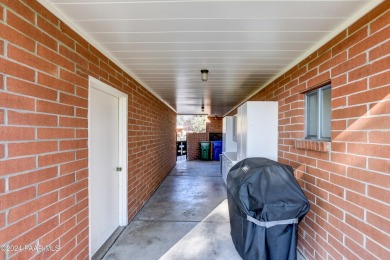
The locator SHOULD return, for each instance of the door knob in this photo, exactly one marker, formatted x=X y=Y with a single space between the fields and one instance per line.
x=118 y=169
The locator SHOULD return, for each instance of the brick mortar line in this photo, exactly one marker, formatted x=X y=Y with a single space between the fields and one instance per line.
x=341 y=242
x=38 y=224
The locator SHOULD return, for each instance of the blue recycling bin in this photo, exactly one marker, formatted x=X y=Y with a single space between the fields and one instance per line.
x=217 y=150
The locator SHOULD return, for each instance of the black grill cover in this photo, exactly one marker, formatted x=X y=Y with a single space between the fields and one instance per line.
x=266 y=191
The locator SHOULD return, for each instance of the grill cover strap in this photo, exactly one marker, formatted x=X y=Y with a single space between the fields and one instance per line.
x=268 y=224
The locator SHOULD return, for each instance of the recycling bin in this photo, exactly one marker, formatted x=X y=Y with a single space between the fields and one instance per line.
x=217 y=149
x=266 y=204
x=204 y=150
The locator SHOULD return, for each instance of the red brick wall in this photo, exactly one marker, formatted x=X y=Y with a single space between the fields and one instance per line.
x=213 y=125
x=348 y=183
x=193 y=140
x=44 y=69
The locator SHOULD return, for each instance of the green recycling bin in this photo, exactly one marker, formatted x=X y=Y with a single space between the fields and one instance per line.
x=204 y=150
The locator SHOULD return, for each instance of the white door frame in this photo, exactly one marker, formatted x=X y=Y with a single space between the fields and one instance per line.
x=123 y=151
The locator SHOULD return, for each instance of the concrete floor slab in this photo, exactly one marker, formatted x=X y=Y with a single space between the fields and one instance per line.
x=177 y=217
x=208 y=240
x=186 y=218
x=148 y=239
x=197 y=168
x=184 y=198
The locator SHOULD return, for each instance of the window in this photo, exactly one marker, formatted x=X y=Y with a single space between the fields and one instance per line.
x=318 y=110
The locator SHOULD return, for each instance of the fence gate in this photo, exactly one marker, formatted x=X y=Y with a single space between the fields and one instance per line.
x=181 y=148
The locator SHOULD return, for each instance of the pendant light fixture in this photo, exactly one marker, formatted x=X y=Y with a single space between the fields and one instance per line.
x=204 y=75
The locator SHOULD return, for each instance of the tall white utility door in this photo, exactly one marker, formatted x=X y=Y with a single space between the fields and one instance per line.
x=104 y=175
x=104 y=178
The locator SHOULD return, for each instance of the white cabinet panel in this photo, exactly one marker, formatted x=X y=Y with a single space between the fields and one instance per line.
x=228 y=143
x=257 y=134
x=235 y=128
x=257 y=130
x=228 y=160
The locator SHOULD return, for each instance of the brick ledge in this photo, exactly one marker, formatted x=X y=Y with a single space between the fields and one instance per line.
x=314 y=145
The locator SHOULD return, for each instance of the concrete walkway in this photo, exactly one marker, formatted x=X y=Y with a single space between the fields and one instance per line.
x=186 y=218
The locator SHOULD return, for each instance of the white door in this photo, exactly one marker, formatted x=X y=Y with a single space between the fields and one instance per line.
x=104 y=160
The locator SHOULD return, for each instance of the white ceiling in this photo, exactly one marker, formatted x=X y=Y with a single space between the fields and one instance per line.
x=244 y=44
